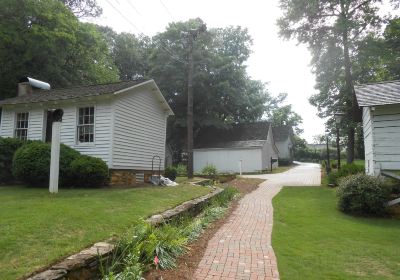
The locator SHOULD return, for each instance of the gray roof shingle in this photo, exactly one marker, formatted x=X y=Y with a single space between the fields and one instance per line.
x=383 y=93
x=70 y=93
x=246 y=135
x=281 y=133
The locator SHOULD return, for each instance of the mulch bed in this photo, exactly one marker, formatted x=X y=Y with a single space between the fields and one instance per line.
x=188 y=262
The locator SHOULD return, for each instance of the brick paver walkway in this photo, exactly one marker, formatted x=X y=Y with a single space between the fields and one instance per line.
x=241 y=249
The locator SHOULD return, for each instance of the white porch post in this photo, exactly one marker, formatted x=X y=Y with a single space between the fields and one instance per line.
x=55 y=157
x=240 y=167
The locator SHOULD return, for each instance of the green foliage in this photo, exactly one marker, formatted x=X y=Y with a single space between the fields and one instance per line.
x=8 y=146
x=209 y=170
x=166 y=241
x=55 y=47
x=362 y=195
x=171 y=172
x=181 y=169
x=31 y=163
x=89 y=171
x=345 y=170
x=284 y=162
x=83 y=8
x=224 y=197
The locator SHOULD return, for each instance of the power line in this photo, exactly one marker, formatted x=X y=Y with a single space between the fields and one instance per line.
x=168 y=11
x=133 y=7
x=122 y=15
x=139 y=30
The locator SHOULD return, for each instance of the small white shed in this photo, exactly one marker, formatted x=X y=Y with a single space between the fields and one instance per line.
x=122 y=123
x=283 y=136
x=380 y=103
x=250 y=145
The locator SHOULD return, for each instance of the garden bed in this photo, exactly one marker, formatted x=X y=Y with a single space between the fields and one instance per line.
x=38 y=228
x=187 y=263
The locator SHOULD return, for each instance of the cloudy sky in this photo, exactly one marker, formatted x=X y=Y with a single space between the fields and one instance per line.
x=282 y=64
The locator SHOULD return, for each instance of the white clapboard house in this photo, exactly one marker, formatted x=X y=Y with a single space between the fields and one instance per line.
x=122 y=123
x=249 y=145
x=283 y=136
x=380 y=103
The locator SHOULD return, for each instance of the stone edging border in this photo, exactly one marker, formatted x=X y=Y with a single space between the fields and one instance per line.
x=85 y=264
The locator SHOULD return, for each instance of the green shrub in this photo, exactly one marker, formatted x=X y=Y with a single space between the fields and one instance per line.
x=87 y=171
x=345 y=170
x=31 y=164
x=362 y=195
x=181 y=169
x=209 y=170
x=8 y=146
x=170 y=172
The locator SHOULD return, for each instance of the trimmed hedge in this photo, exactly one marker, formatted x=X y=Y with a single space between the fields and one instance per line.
x=8 y=146
x=363 y=195
x=31 y=164
x=89 y=172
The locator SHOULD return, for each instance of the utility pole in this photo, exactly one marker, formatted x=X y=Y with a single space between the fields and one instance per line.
x=193 y=33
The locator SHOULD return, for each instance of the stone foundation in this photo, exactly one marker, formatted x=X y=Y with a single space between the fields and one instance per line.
x=122 y=177
x=127 y=177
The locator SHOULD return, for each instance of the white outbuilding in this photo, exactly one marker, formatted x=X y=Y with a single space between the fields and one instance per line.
x=380 y=103
x=249 y=147
x=123 y=123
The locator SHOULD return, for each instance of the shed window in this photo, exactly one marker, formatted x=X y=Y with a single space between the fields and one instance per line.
x=85 y=126
x=21 y=126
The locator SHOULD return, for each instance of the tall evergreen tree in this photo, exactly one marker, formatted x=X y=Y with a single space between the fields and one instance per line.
x=332 y=29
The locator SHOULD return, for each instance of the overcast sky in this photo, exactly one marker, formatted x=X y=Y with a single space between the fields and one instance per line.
x=282 y=64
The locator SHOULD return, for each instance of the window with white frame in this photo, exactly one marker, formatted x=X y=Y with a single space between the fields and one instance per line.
x=21 y=126
x=85 y=127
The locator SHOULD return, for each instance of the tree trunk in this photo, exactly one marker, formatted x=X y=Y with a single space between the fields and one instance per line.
x=190 y=112
x=350 y=98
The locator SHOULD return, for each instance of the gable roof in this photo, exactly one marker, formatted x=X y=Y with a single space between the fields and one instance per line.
x=281 y=133
x=84 y=91
x=245 y=135
x=383 y=93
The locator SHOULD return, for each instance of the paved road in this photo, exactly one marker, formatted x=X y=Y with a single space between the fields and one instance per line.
x=241 y=249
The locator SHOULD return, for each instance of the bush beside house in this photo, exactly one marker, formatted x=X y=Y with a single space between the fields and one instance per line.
x=8 y=146
x=363 y=195
x=31 y=165
x=345 y=170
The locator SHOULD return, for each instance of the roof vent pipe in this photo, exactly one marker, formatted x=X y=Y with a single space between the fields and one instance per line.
x=26 y=85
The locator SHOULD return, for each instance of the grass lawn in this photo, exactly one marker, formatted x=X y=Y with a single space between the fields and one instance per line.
x=37 y=228
x=313 y=240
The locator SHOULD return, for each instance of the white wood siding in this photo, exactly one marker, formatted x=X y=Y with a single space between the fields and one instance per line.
x=140 y=124
x=35 y=122
x=35 y=127
x=269 y=151
x=102 y=121
x=227 y=160
x=386 y=136
x=368 y=141
x=7 y=123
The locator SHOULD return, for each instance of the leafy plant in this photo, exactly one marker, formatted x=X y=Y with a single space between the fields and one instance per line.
x=181 y=169
x=31 y=163
x=362 y=195
x=209 y=170
x=170 y=172
x=8 y=146
x=345 y=170
x=88 y=171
